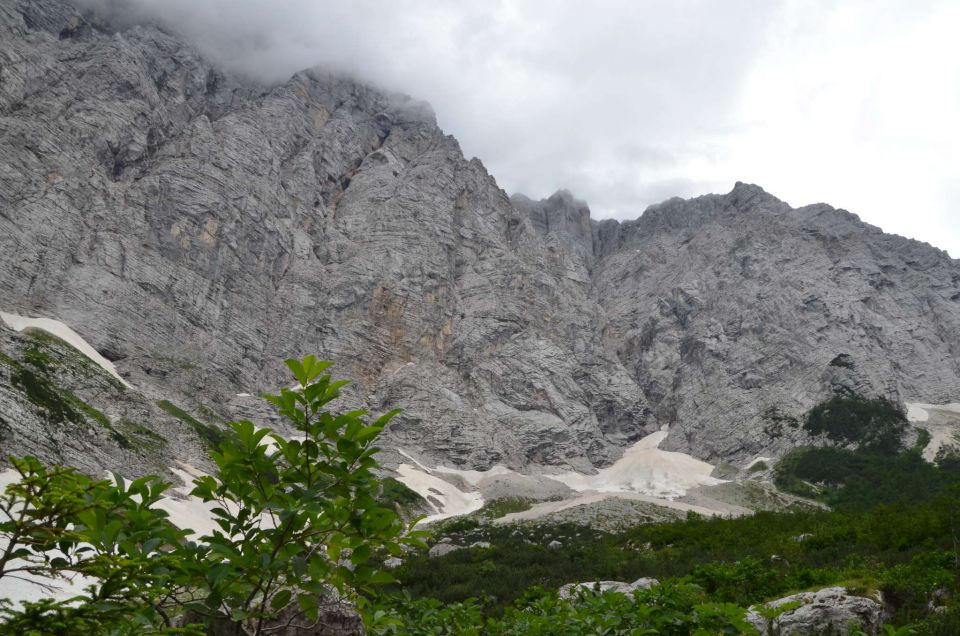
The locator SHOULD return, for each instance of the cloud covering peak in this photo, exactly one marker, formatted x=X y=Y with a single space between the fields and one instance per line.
x=628 y=103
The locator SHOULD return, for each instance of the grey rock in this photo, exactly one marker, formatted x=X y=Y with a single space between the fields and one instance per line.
x=554 y=545
x=197 y=228
x=393 y=563
x=201 y=228
x=737 y=307
x=442 y=549
x=58 y=405
x=830 y=610
x=645 y=583
x=481 y=545
x=571 y=590
x=532 y=487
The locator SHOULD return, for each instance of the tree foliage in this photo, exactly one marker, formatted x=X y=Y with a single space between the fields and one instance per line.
x=875 y=424
x=298 y=523
x=298 y=519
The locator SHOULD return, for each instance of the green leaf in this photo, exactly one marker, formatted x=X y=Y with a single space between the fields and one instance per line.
x=308 y=605
x=298 y=371
x=281 y=599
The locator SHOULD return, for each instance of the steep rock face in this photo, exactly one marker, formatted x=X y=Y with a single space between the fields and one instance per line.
x=197 y=229
x=735 y=312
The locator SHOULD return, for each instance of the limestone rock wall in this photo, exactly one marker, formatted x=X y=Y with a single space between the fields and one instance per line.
x=197 y=228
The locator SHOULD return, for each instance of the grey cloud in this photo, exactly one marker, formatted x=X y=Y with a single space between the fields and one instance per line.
x=622 y=102
x=537 y=90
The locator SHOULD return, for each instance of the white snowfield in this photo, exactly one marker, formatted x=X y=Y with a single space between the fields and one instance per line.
x=944 y=428
x=644 y=472
x=445 y=499
x=65 y=333
x=188 y=512
x=646 y=469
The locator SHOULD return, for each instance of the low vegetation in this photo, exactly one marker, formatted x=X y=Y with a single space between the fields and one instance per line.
x=303 y=519
x=212 y=436
x=892 y=528
x=37 y=377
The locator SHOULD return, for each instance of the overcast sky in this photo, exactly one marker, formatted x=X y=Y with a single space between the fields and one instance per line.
x=629 y=102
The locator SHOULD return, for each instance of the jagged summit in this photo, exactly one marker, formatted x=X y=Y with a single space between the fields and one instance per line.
x=196 y=229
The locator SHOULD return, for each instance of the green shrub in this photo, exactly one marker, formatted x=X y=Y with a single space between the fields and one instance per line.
x=876 y=425
x=297 y=521
x=859 y=480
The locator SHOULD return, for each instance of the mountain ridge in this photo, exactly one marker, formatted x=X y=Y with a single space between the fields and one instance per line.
x=197 y=228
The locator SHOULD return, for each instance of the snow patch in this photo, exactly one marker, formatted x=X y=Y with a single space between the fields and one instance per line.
x=648 y=470
x=644 y=472
x=65 y=333
x=920 y=412
x=188 y=512
x=944 y=429
x=445 y=499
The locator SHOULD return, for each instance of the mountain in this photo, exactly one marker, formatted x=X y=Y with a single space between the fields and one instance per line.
x=196 y=228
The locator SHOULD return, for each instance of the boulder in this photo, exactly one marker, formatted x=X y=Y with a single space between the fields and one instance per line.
x=443 y=548
x=645 y=583
x=831 y=610
x=570 y=590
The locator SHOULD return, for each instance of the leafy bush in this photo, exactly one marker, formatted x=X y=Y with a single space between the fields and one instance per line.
x=909 y=588
x=946 y=623
x=297 y=521
x=301 y=521
x=739 y=582
x=59 y=521
x=671 y=610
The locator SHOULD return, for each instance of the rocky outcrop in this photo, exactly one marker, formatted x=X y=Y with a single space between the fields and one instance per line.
x=744 y=312
x=571 y=590
x=832 y=610
x=57 y=404
x=443 y=549
x=197 y=228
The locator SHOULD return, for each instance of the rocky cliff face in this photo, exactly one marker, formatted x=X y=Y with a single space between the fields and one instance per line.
x=196 y=229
